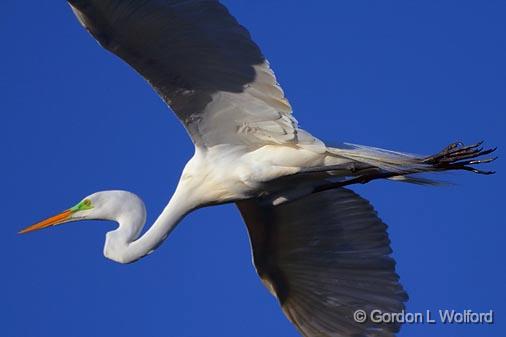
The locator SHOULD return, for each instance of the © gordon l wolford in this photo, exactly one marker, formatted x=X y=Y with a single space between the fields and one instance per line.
x=443 y=316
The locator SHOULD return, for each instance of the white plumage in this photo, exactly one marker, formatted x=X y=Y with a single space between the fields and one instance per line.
x=319 y=248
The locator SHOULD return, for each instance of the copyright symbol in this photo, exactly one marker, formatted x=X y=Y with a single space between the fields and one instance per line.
x=360 y=316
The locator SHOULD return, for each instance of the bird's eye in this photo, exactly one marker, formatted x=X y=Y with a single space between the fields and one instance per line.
x=87 y=202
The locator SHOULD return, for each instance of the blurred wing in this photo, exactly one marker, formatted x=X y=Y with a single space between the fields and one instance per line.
x=324 y=257
x=202 y=63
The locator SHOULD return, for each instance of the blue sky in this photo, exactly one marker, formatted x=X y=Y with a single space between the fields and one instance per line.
x=405 y=75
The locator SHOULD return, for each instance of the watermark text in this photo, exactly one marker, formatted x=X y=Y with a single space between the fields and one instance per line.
x=441 y=316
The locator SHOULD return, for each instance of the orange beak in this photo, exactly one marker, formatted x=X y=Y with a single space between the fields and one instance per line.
x=52 y=221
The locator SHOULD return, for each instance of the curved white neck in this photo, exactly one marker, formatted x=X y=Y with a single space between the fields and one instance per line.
x=124 y=245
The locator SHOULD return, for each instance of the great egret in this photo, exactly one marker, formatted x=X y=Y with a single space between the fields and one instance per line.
x=318 y=247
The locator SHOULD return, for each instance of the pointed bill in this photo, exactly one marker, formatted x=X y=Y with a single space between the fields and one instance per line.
x=52 y=221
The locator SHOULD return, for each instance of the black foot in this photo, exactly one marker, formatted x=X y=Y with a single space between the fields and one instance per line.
x=457 y=156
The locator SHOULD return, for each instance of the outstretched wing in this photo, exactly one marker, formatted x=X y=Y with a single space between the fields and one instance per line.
x=324 y=257
x=202 y=63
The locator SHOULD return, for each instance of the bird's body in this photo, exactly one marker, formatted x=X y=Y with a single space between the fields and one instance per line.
x=319 y=248
x=230 y=173
x=226 y=174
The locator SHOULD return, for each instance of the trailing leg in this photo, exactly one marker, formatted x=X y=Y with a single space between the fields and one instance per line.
x=455 y=156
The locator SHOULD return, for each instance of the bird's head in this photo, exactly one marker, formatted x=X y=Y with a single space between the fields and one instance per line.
x=106 y=205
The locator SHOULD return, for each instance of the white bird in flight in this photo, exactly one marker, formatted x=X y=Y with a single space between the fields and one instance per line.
x=319 y=248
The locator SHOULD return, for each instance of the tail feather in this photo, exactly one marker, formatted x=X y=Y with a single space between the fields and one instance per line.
x=387 y=160
x=417 y=180
x=456 y=156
